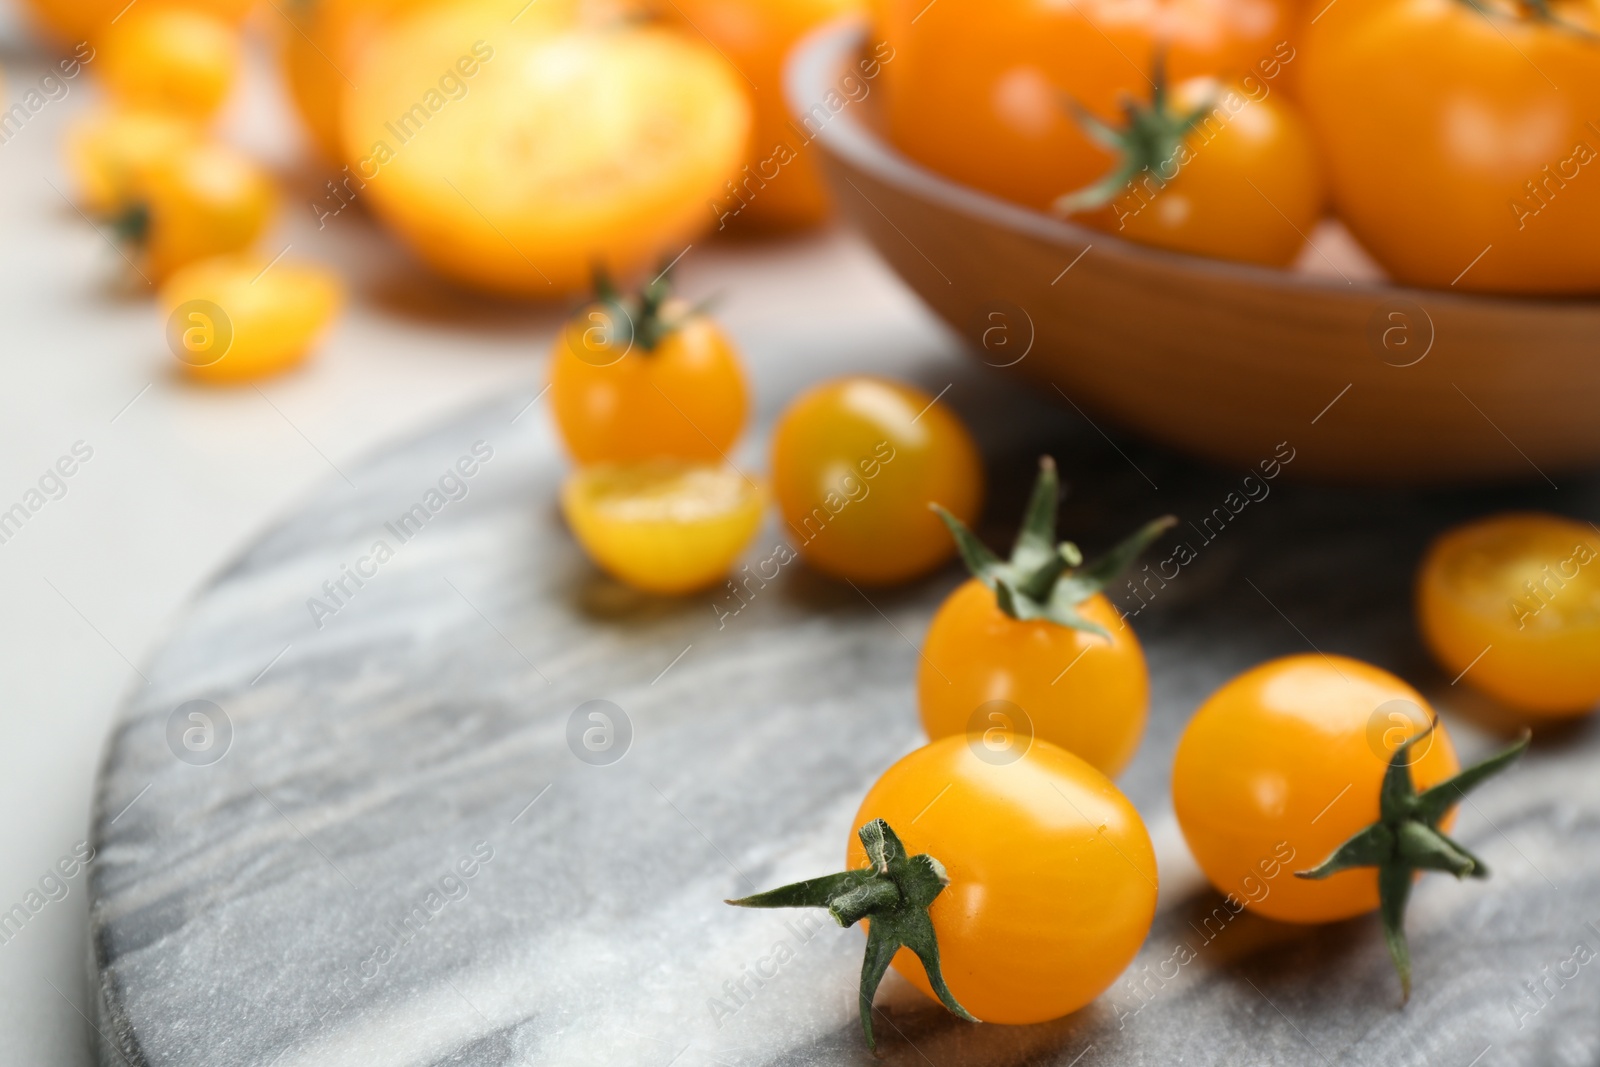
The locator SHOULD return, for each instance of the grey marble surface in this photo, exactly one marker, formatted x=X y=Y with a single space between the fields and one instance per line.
x=289 y=890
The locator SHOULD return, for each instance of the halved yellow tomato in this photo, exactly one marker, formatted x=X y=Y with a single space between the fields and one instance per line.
x=233 y=319
x=515 y=157
x=1510 y=604
x=664 y=526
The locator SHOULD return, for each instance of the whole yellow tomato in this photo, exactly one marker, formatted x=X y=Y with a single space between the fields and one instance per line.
x=645 y=378
x=663 y=525
x=515 y=156
x=1510 y=604
x=855 y=464
x=170 y=59
x=206 y=200
x=1283 y=764
x=1260 y=755
x=1460 y=138
x=235 y=319
x=1227 y=171
x=982 y=669
x=976 y=89
x=780 y=184
x=1031 y=647
x=1012 y=892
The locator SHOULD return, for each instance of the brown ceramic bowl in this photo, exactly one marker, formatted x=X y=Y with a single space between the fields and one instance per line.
x=1369 y=382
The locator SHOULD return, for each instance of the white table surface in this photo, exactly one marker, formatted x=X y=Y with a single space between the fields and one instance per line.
x=181 y=477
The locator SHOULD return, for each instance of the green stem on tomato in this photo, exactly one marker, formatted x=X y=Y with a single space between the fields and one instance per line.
x=641 y=318
x=1148 y=140
x=1045 y=579
x=893 y=895
x=1406 y=839
x=131 y=224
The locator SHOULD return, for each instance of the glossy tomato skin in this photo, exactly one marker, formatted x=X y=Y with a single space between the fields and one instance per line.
x=1282 y=765
x=1453 y=156
x=780 y=185
x=548 y=149
x=1077 y=690
x=1247 y=185
x=1511 y=605
x=685 y=399
x=975 y=87
x=1052 y=875
x=855 y=464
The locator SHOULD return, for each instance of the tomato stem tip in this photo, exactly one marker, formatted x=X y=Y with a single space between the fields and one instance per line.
x=1406 y=839
x=1148 y=141
x=641 y=317
x=1045 y=579
x=893 y=895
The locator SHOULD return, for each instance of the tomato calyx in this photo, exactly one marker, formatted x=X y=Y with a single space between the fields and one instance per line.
x=1406 y=839
x=893 y=894
x=1045 y=579
x=131 y=225
x=1148 y=142
x=643 y=318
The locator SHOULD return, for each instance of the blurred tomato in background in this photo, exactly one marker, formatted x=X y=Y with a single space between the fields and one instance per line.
x=71 y=21
x=552 y=146
x=1470 y=150
x=977 y=89
x=182 y=60
x=322 y=42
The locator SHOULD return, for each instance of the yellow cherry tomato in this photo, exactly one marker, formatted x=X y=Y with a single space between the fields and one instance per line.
x=1243 y=183
x=975 y=88
x=182 y=60
x=855 y=464
x=664 y=526
x=1511 y=604
x=1031 y=647
x=235 y=318
x=514 y=157
x=646 y=378
x=1052 y=878
x=109 y=152
x=981 y=669
x=207 y=200
x=73 y=21
x=1284 y=764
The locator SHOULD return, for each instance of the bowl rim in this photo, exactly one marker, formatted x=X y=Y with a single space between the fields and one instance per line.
x=809 y=75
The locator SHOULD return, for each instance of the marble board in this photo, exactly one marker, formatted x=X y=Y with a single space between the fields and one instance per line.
x=356 y=821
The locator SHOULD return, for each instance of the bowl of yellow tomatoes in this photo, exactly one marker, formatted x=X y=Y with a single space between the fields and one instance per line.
x=1234 y=225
